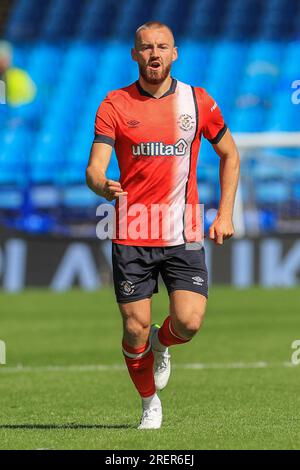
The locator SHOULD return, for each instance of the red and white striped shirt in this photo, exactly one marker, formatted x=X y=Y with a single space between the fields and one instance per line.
x=157 y=142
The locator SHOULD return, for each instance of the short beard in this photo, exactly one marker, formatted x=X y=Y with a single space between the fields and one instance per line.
x=154 y=80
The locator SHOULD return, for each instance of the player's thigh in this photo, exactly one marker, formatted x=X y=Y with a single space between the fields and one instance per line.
x=185 y=269
x=187 y=309
x=138 y=310
x=135 y=272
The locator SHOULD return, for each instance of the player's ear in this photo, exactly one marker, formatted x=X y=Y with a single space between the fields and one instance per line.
x=133 y=54
x=175 y=54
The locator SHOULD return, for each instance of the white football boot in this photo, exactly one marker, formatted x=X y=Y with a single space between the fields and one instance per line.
x=162 y=363
x=152 y=417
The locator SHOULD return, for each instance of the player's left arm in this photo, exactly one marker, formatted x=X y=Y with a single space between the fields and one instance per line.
x=222 y=227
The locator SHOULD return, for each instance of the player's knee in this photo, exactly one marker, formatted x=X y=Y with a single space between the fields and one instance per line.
x=191 y=327
x=136 y=331
x=191 y=324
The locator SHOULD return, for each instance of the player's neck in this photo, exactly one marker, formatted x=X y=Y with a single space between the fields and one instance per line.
x=156 y=90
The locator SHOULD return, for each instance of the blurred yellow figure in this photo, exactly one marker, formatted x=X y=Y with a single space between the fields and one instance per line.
x=20 y=88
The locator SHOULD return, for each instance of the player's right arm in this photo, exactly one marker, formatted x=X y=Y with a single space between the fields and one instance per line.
x=105 y=126
x=95 y=173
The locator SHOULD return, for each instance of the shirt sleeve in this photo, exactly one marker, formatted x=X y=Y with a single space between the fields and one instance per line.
x=213 y=125
x=105 y=123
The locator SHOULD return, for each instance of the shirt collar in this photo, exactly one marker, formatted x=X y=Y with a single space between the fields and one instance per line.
x=170 y=91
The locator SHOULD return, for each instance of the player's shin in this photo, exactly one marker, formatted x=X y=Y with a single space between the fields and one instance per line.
x=167 y=336
x=139 y=362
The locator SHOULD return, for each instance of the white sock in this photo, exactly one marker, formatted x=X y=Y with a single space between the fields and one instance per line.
x=151 y=402
x=156 y=344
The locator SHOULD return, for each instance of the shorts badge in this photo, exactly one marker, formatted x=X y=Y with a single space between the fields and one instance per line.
x=127 y=287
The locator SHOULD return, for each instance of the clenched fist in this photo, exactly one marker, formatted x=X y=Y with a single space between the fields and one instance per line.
x=221 y=229
x=112 y=190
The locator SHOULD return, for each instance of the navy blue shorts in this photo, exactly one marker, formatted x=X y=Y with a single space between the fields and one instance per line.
x=136 y=270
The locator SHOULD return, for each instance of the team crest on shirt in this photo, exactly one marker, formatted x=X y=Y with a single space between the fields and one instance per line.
x=127 y=287
x=186 y=122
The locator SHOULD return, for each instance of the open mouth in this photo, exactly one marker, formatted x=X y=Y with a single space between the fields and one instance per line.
x=154 y=65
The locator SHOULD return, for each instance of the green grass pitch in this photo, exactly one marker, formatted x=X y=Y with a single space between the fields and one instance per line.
x=54 y=397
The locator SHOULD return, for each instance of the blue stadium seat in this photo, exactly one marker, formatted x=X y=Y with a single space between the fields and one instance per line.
x=296 y=167
x=266 y=51
x=80 y=61
x=25 y=20
x=267 y=220
x=296 y=191
x=284 y=114
x=47 y=155
x=291 y=60
x=11 y=198
x=173 y=13
x=265 y=171
x=44 y=64
x=202 y=21
x=21 y=53
x=61 y=19
x=247 y=120
x=98 y=19
x=45 y=197
x=236 y=23
x=113 y=170
x=207 y=173
x=272 y=192
x=192 y=62
x=79 y=196
x=119 y=69
x=131 y=14
x=207 y=154
x=14 y=156
x=246 y=66
x=207 y=193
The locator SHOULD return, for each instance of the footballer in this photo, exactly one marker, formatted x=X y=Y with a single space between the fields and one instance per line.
x=155 y=126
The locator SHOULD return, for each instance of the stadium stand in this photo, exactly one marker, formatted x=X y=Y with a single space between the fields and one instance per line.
x=76 y=51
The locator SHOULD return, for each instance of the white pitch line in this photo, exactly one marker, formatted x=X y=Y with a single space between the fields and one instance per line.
x=120 y=367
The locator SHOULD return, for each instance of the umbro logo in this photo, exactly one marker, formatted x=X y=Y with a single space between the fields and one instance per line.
x=198 y=280
x=132 y=123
